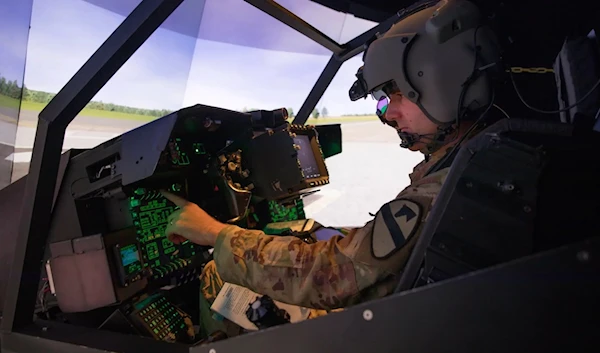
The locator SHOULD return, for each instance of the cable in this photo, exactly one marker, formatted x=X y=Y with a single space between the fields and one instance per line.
x=512 y=78
x=472 y=77
x=502 y=111
x=464 y=136
x=42 y=295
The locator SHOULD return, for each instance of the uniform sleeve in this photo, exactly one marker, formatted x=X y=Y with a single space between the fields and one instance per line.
x=323 y=275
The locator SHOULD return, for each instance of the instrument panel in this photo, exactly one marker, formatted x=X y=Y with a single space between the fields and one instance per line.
x=247 y=169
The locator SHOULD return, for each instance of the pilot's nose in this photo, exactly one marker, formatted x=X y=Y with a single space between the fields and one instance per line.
x=394 y=109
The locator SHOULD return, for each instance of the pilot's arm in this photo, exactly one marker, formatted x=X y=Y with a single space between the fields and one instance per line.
x=334 y=273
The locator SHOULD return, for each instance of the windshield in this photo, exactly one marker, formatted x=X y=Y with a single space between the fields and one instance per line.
x=223 y=53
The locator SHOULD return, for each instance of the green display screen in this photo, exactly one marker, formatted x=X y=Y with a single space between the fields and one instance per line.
x=150 y=212
x=130 y=258
x=286 y=212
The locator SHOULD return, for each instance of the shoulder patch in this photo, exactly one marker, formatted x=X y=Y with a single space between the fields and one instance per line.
x=395 y=223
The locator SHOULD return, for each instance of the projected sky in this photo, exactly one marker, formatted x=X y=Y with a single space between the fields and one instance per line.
x=230 y=55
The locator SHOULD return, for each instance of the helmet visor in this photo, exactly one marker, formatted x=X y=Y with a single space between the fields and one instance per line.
x=382 y=105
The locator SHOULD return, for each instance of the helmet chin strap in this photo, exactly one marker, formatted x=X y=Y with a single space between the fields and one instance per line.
x=433 y=141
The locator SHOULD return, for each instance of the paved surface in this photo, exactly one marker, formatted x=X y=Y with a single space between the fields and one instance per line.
x=8 y=114
x=5 y=165
x=370 y=171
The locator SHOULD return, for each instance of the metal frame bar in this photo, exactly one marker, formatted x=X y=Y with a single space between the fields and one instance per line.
x=350 y=49
x=285 y=16
x=53 y=121
x=327 y=75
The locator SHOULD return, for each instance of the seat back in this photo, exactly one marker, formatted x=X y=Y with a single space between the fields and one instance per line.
x=517 y=188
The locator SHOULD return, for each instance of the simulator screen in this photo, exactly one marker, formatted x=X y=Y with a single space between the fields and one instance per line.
x=306 y=156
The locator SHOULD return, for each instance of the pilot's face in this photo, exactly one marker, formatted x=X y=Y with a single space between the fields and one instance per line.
x=409 y=118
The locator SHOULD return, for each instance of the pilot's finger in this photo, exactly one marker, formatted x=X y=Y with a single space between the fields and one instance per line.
x=172 y=231
x=176 y=239
x=174 y=216
x=177 y=200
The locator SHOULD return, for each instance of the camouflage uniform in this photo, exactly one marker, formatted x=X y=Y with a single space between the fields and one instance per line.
x=325 y=275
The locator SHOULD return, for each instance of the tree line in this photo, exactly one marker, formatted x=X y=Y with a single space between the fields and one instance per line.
x=13 y=90
x=315 y=113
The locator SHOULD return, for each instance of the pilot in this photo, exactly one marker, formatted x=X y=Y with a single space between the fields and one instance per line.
x=420 y=72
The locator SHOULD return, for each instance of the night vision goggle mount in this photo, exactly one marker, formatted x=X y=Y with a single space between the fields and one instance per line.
x=359 y=87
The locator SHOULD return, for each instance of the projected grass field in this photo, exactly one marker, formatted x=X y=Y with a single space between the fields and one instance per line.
x=96 y=113
x=8 y=102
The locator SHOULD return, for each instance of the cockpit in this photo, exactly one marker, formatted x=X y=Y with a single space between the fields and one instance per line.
x=508 y=257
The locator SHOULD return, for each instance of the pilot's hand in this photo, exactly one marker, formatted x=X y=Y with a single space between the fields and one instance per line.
x=191 y=222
